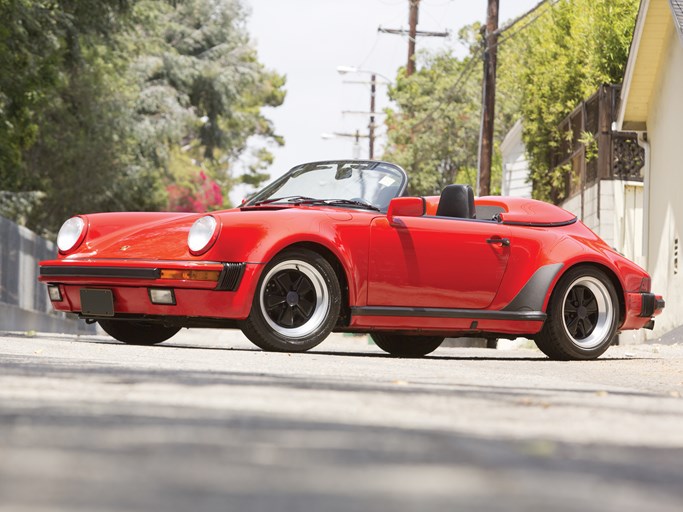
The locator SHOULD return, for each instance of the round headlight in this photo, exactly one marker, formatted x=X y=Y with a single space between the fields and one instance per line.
x=202 y=234
x=70 y=234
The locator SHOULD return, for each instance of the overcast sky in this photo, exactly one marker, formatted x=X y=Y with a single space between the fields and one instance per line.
x=307 y=39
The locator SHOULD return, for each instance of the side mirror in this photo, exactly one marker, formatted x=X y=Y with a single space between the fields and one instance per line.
x=405 y=207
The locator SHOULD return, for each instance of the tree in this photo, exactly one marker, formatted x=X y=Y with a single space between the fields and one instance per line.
x=41 y=46
x=573 y=48
x=201 y=90
x=106 y=105
x=434 y=133
x=547 y=64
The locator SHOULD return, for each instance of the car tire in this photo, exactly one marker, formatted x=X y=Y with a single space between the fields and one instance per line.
x=137 y=333
x=296 y=304
x=583 y=315
x=403 y=345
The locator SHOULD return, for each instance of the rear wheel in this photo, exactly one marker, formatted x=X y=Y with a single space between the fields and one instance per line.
x=137 y=333
x=583 y=315
x=296 y=304
x=402 y=345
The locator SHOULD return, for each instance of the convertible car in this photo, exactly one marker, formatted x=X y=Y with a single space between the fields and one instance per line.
x=335 y=246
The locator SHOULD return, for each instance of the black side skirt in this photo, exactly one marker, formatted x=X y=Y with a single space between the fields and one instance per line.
x=523 y=316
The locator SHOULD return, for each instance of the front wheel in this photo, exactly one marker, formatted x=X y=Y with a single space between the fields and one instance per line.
x=583 y=315
x=296 y=304
x=137 y=333
x=402 y=345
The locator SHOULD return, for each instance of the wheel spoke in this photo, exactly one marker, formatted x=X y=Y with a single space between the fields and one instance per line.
x=284 y=281
x=592 y=307
x=286 y=317
x=296 y=283
x=298 y=315
x=573 y=325
x=273 y=300
x=305 y=287
x=306 y=307
x=579 y=294
x=580 y=330
x=587 y=326
x=569 y=307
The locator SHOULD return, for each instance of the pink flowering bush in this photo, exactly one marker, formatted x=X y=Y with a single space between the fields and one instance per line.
x=201 y=195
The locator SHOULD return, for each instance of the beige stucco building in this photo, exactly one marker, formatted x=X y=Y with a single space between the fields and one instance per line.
x=652 y=104
x=640 y=213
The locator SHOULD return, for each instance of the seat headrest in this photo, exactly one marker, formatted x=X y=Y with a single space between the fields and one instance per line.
x=456 y=201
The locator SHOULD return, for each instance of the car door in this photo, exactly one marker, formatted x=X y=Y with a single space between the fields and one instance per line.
x=436 y=262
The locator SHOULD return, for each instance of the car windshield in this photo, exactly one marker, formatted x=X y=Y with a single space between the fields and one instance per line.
x=350 y=183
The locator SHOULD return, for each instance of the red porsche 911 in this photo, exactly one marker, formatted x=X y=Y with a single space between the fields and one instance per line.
x=335 y=246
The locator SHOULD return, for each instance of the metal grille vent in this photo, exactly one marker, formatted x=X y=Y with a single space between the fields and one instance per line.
x=231 y=276
x=676 y=253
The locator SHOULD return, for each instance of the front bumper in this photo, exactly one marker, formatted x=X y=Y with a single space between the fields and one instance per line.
x=201 y=289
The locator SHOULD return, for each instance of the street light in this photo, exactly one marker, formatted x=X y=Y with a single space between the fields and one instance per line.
x=342 y=70
x=356 y=144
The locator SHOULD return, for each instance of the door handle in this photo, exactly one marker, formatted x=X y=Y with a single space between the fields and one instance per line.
x=505 y=242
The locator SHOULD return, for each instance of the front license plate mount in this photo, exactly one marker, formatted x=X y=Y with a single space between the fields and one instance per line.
x=97 y=302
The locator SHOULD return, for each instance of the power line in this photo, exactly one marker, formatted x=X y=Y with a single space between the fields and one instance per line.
x=550 y=3
x=519 y=18
x=454 y=90
x=412 y=32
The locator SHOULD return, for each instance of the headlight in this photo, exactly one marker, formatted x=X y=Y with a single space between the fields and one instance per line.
x=71 y=234
x=203 y=234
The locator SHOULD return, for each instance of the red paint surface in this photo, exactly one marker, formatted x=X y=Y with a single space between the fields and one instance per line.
x=414 y=261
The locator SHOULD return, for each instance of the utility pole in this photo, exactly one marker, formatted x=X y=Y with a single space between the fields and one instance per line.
x=412 y=34
x=488 y=109
x=371 y=127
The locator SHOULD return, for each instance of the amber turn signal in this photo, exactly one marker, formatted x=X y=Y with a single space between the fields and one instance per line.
x=191 y=275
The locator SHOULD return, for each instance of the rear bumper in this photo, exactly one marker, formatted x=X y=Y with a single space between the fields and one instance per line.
x=641 y=308
x=227 y=295
x=651 y=305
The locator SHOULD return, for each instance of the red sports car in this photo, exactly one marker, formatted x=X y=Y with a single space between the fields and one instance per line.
x=334 y=246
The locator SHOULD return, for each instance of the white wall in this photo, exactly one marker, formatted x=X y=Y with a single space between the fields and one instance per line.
x=665 y=134
x=597 y=215
x=515 y=165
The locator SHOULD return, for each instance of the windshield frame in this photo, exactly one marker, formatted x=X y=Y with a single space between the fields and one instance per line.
x=269 y=190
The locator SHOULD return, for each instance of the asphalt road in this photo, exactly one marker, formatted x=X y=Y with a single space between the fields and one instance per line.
x=207 y=422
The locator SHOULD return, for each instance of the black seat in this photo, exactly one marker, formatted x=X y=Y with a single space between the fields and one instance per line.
x=456 y=201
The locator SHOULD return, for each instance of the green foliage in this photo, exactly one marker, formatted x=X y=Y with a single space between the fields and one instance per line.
x=104 y=104
x=569 y=52
x=546 y=66
x=434 y=133
x=200 y=84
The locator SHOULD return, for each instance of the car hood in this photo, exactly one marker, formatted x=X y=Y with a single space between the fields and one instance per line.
x=163 y=236
x=136 y=236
